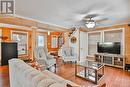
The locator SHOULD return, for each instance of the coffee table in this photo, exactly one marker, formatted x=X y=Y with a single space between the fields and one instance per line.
x=89 y=70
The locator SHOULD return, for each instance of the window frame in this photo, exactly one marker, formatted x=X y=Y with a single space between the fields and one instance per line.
x=52 y=41
x=88 y=40
x=21 y=32
x=102 y=38
x=38 y=40
x=45 y=38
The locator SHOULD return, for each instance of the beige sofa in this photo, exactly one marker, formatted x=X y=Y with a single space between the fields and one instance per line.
x=23 y=75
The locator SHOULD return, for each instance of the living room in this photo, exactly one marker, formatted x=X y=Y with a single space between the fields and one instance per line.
x=81 y=45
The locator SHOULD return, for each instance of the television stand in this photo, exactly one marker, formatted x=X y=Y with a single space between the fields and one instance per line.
x=114 y=60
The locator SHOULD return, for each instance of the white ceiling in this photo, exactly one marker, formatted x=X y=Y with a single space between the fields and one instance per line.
x=69 y=13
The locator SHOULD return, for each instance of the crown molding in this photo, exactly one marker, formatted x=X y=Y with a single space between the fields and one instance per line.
x=15 y=26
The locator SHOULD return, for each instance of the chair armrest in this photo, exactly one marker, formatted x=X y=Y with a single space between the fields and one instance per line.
x=42 y=61
x=75 y=55
x=50 y=56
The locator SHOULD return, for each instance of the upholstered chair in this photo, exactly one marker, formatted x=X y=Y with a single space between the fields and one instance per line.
x=68 y=54
x=42 y=58
x=47 y=53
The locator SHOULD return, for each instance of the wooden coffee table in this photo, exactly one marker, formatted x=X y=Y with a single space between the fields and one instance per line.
x=89 y=70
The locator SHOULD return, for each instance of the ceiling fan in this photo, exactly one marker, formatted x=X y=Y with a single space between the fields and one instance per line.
x=90 y=23
x=91 y=18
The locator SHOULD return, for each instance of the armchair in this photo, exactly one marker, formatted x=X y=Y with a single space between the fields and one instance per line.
x=47 y=54
x=43 y=59
x=69 y=55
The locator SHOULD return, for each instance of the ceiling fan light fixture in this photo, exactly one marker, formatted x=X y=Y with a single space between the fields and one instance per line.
x=90 y=24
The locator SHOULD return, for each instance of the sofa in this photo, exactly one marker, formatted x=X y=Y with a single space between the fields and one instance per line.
x=23 y=75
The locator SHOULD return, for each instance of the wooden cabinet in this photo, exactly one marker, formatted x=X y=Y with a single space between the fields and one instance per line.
x=118 y=61
x=111 y=59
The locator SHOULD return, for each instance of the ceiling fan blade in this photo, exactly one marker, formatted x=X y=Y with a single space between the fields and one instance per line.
x=92 y=15
x=101 y=20
x=80 y=23
x=84 y=11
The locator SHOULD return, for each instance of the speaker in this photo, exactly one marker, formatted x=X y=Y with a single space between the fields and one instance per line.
x=127 y=66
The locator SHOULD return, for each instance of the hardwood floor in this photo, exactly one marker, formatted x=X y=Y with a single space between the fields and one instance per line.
x=4 y=76
x=114 y=77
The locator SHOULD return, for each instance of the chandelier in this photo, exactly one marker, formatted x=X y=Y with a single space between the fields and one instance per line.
x=90 y=23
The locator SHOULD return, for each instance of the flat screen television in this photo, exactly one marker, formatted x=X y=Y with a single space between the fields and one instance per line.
x=109 y=47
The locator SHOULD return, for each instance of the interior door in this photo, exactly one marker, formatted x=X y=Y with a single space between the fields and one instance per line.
x=83 y=45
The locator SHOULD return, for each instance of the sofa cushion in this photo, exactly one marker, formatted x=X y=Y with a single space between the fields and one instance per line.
x=46 y=83
x=38 y=78
x=58 y=85
x=32 y=74
x=54 y=76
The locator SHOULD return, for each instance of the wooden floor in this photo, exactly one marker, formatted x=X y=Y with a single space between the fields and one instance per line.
x=114 y=77
x=4 y=76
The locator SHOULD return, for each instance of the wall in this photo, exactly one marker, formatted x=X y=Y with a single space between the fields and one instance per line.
x=127 y=39
x=6 y=32
x=75 y=45
x=49 y=41
x=83 y=45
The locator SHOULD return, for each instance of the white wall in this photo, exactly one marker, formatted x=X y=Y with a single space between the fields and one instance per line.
x=75 y=45
x=83 y=45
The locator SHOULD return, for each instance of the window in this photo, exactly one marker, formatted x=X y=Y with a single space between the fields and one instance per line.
x=54 y=43
x=104 y=36
x=93 y=38
x=114 y=36
x=41 y=40
x=22 y=39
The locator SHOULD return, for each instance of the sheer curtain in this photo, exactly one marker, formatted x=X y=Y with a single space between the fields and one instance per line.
x=93 y=39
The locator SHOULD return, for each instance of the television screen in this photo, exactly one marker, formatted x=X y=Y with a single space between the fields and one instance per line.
x=109 y=47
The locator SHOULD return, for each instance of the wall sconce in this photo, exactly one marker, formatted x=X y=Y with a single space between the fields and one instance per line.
x=48 y=32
